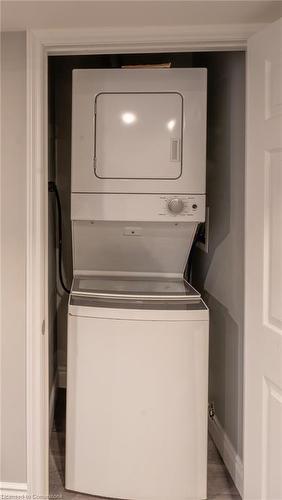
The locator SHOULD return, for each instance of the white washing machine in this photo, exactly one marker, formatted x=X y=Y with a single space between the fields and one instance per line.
x=137 y=374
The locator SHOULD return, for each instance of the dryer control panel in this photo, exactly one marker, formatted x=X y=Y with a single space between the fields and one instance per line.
x=138 y=207
x=184 y=205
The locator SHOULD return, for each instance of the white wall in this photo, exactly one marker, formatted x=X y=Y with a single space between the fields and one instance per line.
x=21 y=15
x=220 y=273
x=13 y=244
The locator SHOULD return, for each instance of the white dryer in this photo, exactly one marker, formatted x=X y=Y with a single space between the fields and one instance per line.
x=139 y=131
x=137 y=374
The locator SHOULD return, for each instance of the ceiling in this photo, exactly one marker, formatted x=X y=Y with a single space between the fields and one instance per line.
x=21 y=15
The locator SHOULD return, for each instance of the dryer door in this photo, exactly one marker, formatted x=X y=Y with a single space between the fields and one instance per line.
x=138 y=135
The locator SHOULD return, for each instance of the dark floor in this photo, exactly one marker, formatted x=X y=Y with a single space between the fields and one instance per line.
x=220 y=484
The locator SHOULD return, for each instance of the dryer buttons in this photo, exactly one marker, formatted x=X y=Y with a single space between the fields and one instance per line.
x=175 y=205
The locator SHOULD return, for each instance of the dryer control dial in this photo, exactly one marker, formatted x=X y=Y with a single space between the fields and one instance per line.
x=175 y=205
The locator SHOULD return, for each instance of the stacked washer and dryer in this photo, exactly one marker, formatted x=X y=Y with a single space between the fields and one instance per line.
x=137 y=374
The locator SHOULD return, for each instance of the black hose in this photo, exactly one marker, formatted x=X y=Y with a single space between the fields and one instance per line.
x=52 y=188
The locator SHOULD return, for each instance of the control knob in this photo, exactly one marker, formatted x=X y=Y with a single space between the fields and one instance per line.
x=175 y=205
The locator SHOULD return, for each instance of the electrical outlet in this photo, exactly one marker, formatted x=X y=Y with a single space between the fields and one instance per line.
x=211 y=410
x=203 y=241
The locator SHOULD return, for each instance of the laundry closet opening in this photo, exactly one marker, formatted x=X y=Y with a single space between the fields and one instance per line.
x=215 y=268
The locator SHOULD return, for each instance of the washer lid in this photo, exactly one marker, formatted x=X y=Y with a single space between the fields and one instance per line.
x=133 y=287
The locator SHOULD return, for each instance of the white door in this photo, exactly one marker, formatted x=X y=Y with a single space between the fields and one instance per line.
x=138 y=135
x=263 y=299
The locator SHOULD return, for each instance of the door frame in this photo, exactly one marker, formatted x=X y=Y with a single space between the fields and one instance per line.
x=40 y=45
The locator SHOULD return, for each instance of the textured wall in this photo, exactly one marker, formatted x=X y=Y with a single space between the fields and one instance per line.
x=220 y=273
x=13 y=258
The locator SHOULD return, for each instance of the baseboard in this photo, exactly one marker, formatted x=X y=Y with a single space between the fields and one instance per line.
x=13 y=490
x=231 y=459
x=62 y=377
x=52 y=401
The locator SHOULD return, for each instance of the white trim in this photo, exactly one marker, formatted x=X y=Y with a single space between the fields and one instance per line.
x=229 y=456
x=62 y=377
x=39 y=45
x=52 y=401
x=37 y=340
x=148 y=38
x=12 y=490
